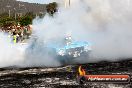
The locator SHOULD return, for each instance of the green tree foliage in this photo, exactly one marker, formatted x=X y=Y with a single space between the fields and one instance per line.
x=4 y=15
x=6 y=21
x=26 y=20
x=51 y=8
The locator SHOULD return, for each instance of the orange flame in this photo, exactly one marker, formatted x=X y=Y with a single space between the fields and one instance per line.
x=81 y=71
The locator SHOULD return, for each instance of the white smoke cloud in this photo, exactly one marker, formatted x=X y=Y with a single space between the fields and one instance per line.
x=10 y=55
x=113 y=28
x=106 y=24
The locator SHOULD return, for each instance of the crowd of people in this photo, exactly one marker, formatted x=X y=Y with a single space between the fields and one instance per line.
x=17 y=32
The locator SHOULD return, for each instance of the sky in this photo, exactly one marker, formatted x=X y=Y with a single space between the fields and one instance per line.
x=37 y=1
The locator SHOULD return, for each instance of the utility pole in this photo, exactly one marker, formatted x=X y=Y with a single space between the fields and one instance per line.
x=67 y=3
x=15 y=13
x=8 y=6
x=36 y=14
x=15 y=16
x=9 y=13
x=20 y=9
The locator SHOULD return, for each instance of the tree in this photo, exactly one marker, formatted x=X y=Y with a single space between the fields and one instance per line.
x=52 y=8
x=26 y=20
x=6 y=21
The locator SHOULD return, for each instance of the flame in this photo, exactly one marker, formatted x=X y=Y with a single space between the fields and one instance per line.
x=81 y=71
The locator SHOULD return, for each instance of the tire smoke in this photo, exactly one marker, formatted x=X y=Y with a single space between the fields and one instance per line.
x=106 y=24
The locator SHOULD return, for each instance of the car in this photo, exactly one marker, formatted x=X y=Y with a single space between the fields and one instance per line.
x=64 y=51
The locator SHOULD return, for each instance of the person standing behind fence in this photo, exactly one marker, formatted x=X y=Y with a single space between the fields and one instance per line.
x=14 y=39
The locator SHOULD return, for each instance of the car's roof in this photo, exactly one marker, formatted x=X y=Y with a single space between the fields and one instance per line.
x=72 y=45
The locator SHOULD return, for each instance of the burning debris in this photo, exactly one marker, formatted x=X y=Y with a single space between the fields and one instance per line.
x=81 y=71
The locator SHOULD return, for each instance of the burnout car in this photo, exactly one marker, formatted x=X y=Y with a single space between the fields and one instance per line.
x=64 y=51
